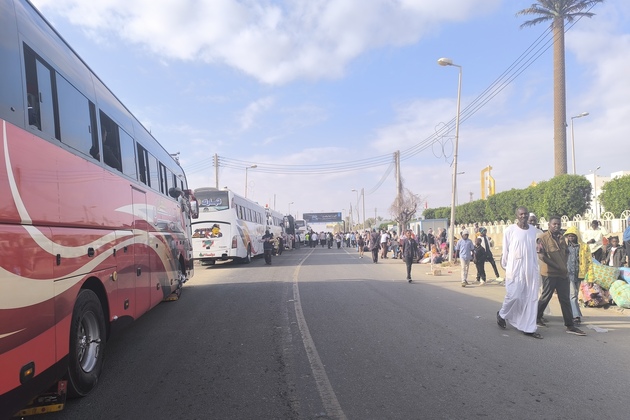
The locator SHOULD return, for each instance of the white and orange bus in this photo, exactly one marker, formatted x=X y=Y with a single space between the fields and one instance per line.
x=229 y=227
x=95 y=216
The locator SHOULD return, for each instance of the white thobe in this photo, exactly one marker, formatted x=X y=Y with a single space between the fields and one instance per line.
x=522 y=278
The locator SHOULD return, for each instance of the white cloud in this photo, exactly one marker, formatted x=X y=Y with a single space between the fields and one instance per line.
x=248 y=115
x=273 y=41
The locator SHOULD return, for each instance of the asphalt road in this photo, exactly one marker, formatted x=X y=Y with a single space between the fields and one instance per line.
x=323 y=334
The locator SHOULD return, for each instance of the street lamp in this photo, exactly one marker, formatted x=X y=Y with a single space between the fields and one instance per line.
x=583 y=114
x=247 y=168
x=451 y=232
x=290 y=207
x=595 y=203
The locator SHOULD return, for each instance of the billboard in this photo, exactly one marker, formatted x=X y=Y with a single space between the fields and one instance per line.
x=322 y=217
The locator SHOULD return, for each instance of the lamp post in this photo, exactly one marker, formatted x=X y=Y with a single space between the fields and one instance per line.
x=583 y=114
x=595 y=203
x=246 y=169
x=290 y=207
x=451 y=232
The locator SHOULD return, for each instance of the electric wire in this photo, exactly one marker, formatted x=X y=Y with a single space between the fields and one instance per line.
x=519 y=65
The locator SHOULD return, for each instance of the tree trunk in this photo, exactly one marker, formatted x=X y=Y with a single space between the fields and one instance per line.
x=559 y=100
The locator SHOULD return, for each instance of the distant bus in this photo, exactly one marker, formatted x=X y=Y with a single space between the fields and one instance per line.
x=95 y=217
x=229 y=227
x=300 y=227
x=275 y=222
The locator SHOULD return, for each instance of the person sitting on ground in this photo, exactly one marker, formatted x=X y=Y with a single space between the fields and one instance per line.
x=436 y=257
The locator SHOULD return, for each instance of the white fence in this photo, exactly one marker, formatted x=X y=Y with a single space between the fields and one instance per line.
x=608 y=221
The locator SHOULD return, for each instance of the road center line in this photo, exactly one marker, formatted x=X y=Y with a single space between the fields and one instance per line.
x=326 y=393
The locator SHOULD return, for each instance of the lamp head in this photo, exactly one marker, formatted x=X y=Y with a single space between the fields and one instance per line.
x=445 y=61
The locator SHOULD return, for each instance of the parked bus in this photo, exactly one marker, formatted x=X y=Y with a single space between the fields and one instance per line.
x=300 y=227
x=229 y=227
x=95 y=217
x=275 y=222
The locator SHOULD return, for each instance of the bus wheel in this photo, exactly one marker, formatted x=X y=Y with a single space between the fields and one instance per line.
x=87 y=344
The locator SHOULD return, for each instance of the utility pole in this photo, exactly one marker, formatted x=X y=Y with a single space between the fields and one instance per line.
x=216 y=171
x=398 y=187
x=363 y=195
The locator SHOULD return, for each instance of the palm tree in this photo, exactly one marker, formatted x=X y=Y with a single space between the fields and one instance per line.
x=557 y=12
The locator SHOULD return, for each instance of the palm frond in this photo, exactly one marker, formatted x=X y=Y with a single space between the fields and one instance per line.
x=550 y=10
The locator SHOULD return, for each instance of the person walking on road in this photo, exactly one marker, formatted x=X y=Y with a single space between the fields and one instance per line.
x=522 y=278
x=409 y=252
x=375 y=243
x=580 y=263
x=465 y=249
x=553 y=256
x=485 y=243
x=267 y=246
x=479 y=258
x=361 y=245
x=384 y=244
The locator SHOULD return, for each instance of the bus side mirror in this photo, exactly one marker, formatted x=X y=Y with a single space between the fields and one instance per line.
x=194 y=208
x=175 y=192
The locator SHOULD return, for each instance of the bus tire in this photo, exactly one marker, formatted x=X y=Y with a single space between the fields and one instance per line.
x=87 y=344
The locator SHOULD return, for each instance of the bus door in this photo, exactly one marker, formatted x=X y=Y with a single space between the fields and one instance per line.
x=141 y=251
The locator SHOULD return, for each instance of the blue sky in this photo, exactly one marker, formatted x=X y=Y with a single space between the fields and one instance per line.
x=328 y=82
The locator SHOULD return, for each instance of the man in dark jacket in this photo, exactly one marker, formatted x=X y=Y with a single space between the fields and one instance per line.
x=375 y=244
x=267 y=239
x=553 y=257
x=409 y=251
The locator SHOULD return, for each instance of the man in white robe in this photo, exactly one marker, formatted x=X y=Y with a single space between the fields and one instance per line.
x=522 y=276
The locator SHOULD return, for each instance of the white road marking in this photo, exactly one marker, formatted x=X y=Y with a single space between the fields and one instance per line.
x=326 y=393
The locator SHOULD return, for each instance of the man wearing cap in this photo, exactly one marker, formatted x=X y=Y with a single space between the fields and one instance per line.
x=465 y=247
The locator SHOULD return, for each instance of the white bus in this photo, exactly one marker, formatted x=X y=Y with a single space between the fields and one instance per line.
x=229 y=227
x=300 y=227
x=275 y=222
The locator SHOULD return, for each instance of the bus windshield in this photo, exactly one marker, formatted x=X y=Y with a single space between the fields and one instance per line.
x=213 y=201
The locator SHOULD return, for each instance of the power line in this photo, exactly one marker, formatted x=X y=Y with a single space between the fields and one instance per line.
x=518 y=66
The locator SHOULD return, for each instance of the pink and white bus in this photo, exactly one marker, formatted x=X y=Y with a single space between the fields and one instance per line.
x=95 y=216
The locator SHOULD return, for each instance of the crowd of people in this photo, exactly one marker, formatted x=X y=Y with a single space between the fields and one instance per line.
x=539 y=265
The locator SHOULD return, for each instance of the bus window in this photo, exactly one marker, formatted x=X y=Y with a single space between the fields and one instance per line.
x=166 y=178
x=39 y=94
x=154 y=174
x=143 y=165
x=128 y=155
x=110 y=137
x=74 y=117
